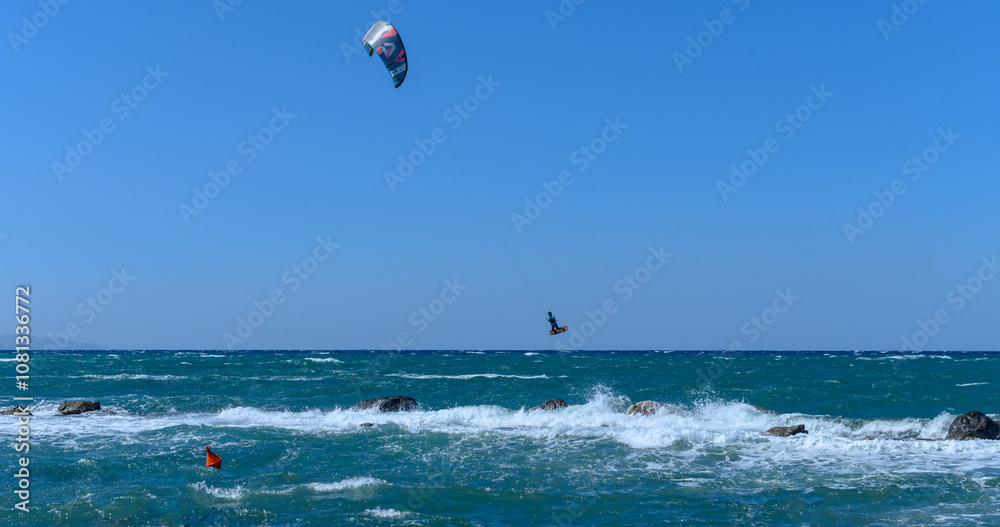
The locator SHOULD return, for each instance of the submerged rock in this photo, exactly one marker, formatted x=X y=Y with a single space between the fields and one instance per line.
x=17 y=410
x=551 y=404
x=78 y=407
x=763 y=410
x=651 y=407
x=395 y=403
x=367 y=424
x=973 y=425
x=785 y=431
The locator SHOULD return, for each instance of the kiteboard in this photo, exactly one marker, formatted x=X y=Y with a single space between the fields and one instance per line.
x=558 y=330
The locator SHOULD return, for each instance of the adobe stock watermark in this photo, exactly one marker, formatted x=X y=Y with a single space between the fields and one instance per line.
x=900 y=15
x=293 y=278
x=122 y=106
x=224 y=7
x=89 y=309
x=624 y=289
x=581 y=158
x=573 y=512
x=455 y=116
x=248 y=149
x=957 y=298
x=713 y=30
x=424 y=316
x=563 y=11
x=417 y=498
x=915 y=167
x=420 y=319
x=787 y=127
x=754 y=328
x=31 y=25
x=355 y=47
x=758 y=325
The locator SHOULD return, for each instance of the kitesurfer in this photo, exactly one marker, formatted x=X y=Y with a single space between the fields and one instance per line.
x=552 y=320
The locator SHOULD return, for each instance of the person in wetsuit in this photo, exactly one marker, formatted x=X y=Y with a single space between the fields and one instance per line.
x=552 y=320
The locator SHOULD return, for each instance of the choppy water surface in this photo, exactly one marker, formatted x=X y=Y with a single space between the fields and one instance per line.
x=294 y=454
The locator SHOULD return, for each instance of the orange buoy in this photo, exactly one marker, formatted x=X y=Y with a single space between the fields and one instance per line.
x=213 y=460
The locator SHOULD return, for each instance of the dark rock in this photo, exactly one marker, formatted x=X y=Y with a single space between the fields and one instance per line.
x=395 y=403
x=78 y=407
x=973 y=425
x=785 y=431
x=367 y=424
x=652 y=407
x=551 y=404
x=763 y=410
x=17 y=410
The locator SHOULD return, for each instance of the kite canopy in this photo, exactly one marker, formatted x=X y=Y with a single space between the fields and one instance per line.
x=384 y=39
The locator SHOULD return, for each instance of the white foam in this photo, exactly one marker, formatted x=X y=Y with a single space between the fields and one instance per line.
x=972 y=384
x=239 y=492
x=679 y=442
x=349 y=483
x=317 y=359
x=234 y=494
x=130 y=377
x=379 y=512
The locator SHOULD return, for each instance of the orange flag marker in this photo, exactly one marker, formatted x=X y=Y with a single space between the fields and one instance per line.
x=213 y=460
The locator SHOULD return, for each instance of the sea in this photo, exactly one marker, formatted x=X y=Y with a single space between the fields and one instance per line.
x=294 y=453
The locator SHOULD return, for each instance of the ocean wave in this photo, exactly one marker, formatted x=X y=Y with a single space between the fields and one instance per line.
x=379 y=512
x=240 y=492
x=908 y=356
x=234 y=494
x=972 y=384
x=697 y=429
x=349 y=483
x=467 y=376
x=316 y=359
x=129 y=377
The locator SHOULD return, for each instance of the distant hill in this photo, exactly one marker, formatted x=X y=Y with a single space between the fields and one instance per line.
x=41 y=343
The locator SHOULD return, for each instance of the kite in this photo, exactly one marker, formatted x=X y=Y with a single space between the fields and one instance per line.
x=384 y=39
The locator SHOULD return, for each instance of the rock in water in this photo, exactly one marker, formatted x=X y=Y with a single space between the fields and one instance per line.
x=395 y=403
x=367 y=424
x=17 y=410
x=973 y=425
x=651 y=407
x=551 y=404
x=785 y=431
x=78 y=407
x=763 y=410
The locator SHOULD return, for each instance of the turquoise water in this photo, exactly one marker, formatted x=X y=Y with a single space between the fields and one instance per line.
x=293 y=454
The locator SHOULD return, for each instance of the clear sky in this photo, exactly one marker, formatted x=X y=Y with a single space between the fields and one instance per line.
x=642 y=108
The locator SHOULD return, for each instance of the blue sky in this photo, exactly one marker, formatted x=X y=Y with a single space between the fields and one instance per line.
x=435 y=261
